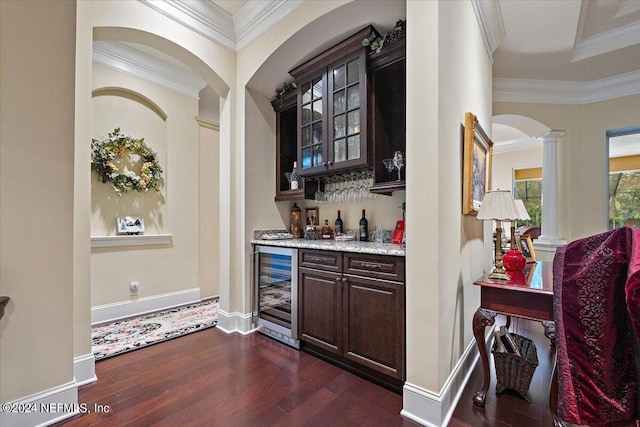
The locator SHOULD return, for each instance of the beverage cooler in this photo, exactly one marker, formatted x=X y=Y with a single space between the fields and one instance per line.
x=275 y=311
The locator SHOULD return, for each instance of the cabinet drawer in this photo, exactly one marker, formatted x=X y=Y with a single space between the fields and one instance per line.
x=378 y=266
x=321 y=260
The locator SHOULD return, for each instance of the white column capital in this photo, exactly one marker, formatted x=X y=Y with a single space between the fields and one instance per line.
x=551 y=136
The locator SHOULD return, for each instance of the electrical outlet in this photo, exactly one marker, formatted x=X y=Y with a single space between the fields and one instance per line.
x=133 y=288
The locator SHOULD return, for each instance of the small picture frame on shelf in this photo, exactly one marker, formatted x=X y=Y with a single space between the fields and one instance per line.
x=311 y=215
x=525 y=245
x=130 y=225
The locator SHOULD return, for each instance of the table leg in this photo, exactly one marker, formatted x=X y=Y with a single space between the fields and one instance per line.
x=481 y=319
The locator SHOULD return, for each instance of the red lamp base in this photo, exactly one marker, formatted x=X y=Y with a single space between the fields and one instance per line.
x=514 y=260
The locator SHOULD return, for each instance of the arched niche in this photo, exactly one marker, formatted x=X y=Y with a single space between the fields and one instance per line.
x=170 y=48
x=132 y=95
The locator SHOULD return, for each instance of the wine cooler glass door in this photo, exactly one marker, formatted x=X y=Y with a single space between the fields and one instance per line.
x=277 y=289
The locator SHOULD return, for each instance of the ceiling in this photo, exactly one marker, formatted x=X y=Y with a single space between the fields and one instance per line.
x=568 y=40
x=554 y=51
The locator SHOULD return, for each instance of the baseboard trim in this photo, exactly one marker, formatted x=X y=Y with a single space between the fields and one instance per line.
x=235 y=322
x=44 y=408
x=84 y=369
x=431 y=409
x=121 y=310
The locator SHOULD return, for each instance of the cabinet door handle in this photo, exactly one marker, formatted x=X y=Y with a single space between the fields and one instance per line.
x=321 y=259
x=330 y=163
x=372 y=265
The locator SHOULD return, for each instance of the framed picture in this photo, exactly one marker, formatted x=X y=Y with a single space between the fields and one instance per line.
x=476 y=165
x=312 y=216
x=525 y=245
x=130 y=225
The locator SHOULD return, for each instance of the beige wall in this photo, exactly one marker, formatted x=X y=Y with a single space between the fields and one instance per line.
x=505 y=163
x=582 y=156
x=448 y=73
x=174 y=210
x=135 y=22
x=37 y=74
x=209 y=197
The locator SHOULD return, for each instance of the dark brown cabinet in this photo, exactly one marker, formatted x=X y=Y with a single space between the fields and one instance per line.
x=347 y=113
x=332 y=108
x=287 y=149
x=352 y=312
x=387 y=112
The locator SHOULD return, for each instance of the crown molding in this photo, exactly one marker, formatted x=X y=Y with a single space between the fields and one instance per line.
x=125 y=59
x=208 y=124
x=215 y=24
x=255 y=18
x=566 y=92
x=204 y=18
x=618 y=38
x=489 y=17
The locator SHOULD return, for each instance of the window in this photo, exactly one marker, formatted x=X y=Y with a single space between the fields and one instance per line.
x=527 y=185
x=624 y=177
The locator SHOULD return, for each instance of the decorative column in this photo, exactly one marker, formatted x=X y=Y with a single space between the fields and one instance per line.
x=549 y=235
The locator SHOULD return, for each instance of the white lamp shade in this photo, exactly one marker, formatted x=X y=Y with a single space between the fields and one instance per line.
x=523 y=215
x=498 y=205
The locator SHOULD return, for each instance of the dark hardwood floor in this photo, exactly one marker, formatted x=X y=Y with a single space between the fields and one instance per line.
x=508 y=408
x=209 y=378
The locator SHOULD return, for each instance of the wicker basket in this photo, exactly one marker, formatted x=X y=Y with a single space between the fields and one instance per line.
x=515 y=372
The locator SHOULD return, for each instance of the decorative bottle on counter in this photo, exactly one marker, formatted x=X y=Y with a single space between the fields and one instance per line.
x=326 y=230
x=364 y=228
x=338 y=226
x=296 y=221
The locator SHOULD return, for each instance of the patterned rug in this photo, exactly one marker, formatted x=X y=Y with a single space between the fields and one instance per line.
x=111 y=339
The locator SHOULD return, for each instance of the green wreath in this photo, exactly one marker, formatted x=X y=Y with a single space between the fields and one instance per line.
x=116 y=146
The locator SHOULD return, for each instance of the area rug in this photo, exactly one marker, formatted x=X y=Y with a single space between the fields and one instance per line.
x=111 y=339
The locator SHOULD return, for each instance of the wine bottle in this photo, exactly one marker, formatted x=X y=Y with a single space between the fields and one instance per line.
x=338 y=226
x=364 y=228
x=326 y=230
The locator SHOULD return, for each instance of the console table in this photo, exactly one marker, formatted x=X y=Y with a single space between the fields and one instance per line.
x=529 y=296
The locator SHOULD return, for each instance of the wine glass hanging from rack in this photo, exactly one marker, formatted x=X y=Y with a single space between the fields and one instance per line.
x=345 y=187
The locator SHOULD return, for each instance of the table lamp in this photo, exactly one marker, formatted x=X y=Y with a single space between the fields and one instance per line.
x=498 y=205
x=514 y=260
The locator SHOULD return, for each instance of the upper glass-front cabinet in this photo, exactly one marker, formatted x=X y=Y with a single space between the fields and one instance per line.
x=312 y=113
x=346 y=119
x=332 y=108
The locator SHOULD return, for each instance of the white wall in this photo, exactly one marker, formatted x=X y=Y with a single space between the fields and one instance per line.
x=582 y=156
x=37 y=75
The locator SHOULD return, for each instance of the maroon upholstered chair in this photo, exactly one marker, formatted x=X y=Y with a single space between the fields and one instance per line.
x=597 y=316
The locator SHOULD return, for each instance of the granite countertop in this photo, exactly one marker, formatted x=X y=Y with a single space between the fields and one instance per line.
x=332 y=245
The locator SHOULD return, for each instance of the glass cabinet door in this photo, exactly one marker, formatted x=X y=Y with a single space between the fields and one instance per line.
x=347 y=113
x=312 y=134
x=332 y=117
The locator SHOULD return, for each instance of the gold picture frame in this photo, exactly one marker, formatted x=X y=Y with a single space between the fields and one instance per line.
x=477 y=156
x=525 y=245
x=311 y=216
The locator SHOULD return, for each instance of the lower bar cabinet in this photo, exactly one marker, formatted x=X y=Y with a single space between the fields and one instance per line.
x=352 y=312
